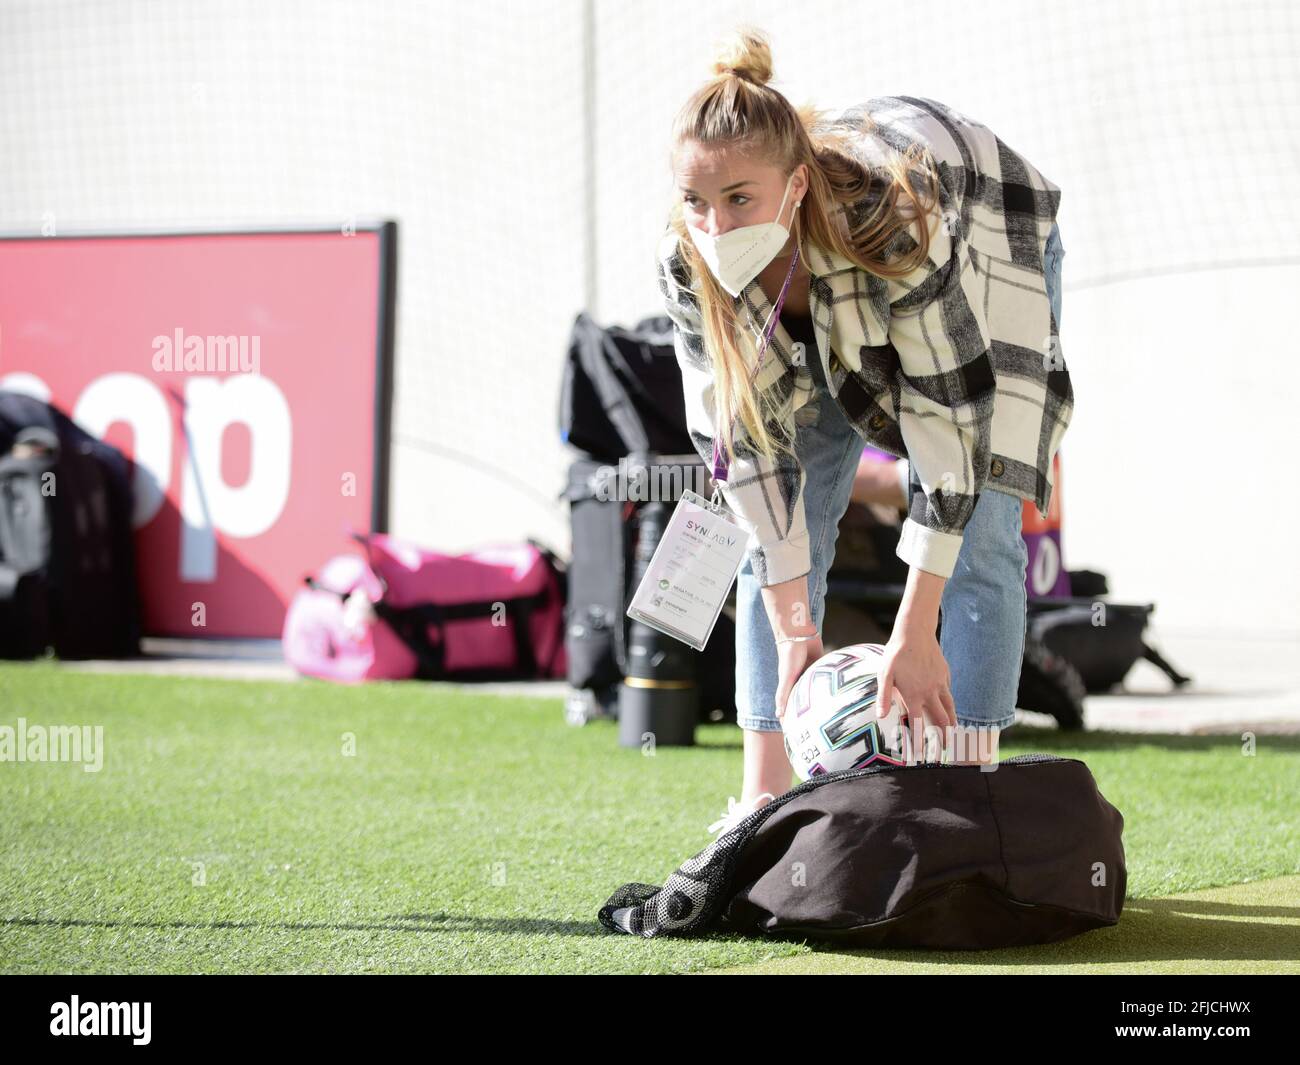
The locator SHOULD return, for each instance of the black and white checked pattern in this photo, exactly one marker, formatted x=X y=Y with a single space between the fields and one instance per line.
x=957 y=366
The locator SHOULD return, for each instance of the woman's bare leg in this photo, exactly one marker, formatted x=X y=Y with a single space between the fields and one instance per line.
x=766 y=766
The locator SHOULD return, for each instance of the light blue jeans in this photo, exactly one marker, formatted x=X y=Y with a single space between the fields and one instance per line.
x=983 y=607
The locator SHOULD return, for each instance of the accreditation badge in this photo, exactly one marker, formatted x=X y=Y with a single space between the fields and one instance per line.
x=692 y=571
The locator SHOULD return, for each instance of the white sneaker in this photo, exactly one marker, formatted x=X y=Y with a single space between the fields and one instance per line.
x=736 y=812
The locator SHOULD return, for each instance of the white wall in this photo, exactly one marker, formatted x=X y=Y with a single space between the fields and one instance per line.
x=523 y=148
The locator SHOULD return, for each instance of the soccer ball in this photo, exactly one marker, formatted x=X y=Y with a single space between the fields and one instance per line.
x=830 y=722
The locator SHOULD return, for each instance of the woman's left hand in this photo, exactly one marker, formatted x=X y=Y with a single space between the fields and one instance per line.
x=914 y=669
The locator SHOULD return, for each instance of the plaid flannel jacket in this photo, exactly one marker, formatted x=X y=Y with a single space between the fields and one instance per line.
x=956 y=367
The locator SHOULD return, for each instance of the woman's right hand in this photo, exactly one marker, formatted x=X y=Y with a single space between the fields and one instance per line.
x=914 y=671
x=793 y=659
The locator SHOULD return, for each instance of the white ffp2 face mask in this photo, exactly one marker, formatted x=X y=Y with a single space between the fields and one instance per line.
x=739 y=255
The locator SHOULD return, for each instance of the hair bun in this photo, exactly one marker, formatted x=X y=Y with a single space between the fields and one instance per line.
x=747 y=55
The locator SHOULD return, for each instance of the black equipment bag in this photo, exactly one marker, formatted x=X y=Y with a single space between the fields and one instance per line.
x=25 y=546
x=67 y=556
x=602 y=532
x=941 y=856
x=1102 y=654
x=621 y=399
x=622 y=390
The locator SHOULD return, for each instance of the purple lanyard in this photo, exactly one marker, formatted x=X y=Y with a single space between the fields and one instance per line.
x=720 y=463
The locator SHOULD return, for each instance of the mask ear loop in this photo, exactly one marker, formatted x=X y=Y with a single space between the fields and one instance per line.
x=796 y=230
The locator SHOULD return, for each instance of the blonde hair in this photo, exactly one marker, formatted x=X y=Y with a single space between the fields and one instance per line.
x=879 y=200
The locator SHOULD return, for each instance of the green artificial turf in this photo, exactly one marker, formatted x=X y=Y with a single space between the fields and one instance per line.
x=228 y=831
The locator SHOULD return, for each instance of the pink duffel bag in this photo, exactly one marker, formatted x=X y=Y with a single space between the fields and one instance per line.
x=405 y=611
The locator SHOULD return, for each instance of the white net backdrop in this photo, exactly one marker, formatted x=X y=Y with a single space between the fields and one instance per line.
x=523 y=148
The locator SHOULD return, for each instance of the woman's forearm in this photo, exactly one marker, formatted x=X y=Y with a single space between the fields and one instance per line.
x=787 y=607
x=789 y=613
x=921 y=599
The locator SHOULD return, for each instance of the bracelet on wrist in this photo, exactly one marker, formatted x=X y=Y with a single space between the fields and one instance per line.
x=798 y=639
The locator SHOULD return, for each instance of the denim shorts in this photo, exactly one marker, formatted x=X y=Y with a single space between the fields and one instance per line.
x=983 y=607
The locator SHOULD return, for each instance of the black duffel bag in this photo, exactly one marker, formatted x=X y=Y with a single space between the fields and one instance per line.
x=949 y=857
x=67 y=548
